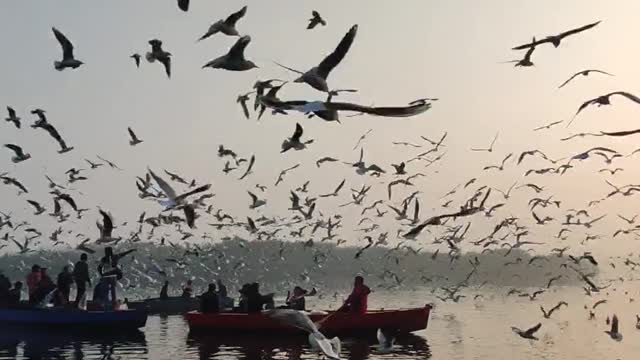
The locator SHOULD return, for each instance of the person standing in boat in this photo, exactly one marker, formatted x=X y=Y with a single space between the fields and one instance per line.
x=296 y=301
x=164 y=291
x=187 y=290
x=65 y=280
x=33 y=280
x=5 y=289
x=109 y=270
x=209 y=302
x=223 y=296
x=357 y=301
x=81 y=277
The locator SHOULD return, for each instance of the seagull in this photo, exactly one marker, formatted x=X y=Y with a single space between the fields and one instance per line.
x=173 y=200
x=248 y=170
x=361 y=169
x=556 y=39
x=234 y=60
x=68 y=61
x=20 y=154
x=386 y=338
x=399 y=168
x=298 y=319
x=324 y=160
x=584 y=73
x=315 y=20
x=183 y=5
x=529 y=333
x=134 y=139
x=316 y=77
x=604 y=100
x=615 y=335
x=156 y=53
x=227 y=26
x=38 y=208
x=294 y=141
x=284 y=172
x=548 y=126
x=547 y=314
x=110 y=163
x=106 y=229
x=526 y=61
x=136 y=58
x=501 y=167
x=255 y=202
x=12 y=117
x=12 y=181
x=336 y=191
x=490 y=148
x=242 y=100
x=53 y=132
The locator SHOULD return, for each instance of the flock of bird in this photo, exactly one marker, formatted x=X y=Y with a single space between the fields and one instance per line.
x=308 y=218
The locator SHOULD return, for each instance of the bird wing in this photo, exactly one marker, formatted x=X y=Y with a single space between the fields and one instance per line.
x=297 y=134
x=578 y=30
x=569 y=79
x=233 y=18
x=190 y=215
x=69 y=200
x=533 y=330
x=333 y=59
x=237 y=50
x=132 y=134
x=532 y=44
x=183 y=5
x=614 y=324
x=67 y=46
x=400 y=111
x=627 y=95
x=254 y=198
x=294 y=318
x=164 y=186
x=17 y=149
x=107 y=223
x=12 y=112
x=600 y=71
x=245 y=109
x=251 y=162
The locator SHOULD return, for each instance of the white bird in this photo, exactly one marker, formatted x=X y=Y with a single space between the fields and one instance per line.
x=298 y=319
x=385 y=340
x=227 y=26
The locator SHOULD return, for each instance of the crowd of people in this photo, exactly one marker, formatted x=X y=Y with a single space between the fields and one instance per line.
x=42 y=291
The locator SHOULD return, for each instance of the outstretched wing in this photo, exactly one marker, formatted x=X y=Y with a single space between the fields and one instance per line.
x=233 y=18
x=183 y=5
x=578 y=30
x=107 y=223
x=237 y=50
x=533 y=330
x=297 y=134
x=333 y=59
x=166 y=188
x=67 y=46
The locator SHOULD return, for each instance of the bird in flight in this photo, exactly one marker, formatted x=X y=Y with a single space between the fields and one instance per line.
x=234 y=60
x=529 y=333
x=526 y=60
x=156 y=53
x=490 y=148
x=226 y=26
x=316 y=20
x=604 y=100
x=584 y=73
x=134 y=138
x=294 y=141
x=557 y=39
x=68 y=61
x=183 y=5
x=136 y=58
x=548 y=126
x=316 y=77
x=12 y=117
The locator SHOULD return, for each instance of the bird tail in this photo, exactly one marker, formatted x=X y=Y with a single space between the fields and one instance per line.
x=150 y=58
x=58 y=65
x=337 y=345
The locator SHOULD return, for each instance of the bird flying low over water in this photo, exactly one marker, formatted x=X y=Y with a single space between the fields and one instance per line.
x=227 y=26
x=583 y=73
x=294 y=141
x=234 y=60
x=68 y=61
x=316 y=20
x=298 y=319
x=556 y=39
x=156 y=53
x=316 y=77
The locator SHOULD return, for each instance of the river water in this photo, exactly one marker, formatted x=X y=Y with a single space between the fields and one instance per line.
x=471 y=329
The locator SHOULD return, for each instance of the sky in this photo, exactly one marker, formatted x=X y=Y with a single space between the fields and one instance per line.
x=403 y=51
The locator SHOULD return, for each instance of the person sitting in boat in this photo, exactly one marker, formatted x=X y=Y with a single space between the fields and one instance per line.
x=223 y=297
x=5 y=288
x=15 y=295
x=33 y=280
x=357 y=300
x=109 y=270
x=209 y=303
x=164 y=291
x=187 y=290
x=296 y=301
x=65 y=280
x=81 y=278
x=256 y=302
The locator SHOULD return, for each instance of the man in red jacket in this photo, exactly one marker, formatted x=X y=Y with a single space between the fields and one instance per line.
x=357 y=301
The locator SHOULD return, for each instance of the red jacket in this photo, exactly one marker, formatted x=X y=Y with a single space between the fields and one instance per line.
x=33 y=280
x=357 y=301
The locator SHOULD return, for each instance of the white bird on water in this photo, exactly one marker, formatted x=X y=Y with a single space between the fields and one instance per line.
x=298 y=319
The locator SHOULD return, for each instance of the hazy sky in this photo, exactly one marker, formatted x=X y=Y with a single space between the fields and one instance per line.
x=403 y=51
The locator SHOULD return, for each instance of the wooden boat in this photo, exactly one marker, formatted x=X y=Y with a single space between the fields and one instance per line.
x=337 y=323
x=170 y=306
x=73 y=319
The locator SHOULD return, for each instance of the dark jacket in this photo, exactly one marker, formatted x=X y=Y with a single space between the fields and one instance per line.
x=209 y=302
x=65 y=280
x=81 y=273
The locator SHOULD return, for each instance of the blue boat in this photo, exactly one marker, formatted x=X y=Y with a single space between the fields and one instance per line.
x=71 y=319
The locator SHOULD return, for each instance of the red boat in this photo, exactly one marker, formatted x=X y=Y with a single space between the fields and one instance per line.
x=337 y=323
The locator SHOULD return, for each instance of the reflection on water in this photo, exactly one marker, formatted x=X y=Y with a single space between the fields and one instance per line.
x=168 y=338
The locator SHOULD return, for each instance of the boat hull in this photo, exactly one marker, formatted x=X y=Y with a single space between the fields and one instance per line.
x=73 y=319
x=170 y=306
x=337 y=323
